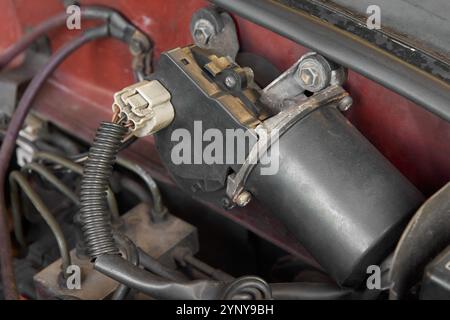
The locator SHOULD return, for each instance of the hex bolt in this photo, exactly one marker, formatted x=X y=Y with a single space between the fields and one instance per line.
x=309 y=76
x=203 y=31
x=230 y=82
x=345 y=103
x=314 y=73
x=243 y=198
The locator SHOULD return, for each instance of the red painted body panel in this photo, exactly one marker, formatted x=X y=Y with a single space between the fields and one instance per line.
x=79 y=95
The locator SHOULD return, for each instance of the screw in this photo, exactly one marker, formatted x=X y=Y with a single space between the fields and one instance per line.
x=243 y=198
x=345 y=103
x=203 y=31
x=230 y=82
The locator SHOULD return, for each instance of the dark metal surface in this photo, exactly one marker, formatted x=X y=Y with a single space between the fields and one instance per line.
x=426 y=235
x=436 y=282
x=348 y=50
x=337 y=194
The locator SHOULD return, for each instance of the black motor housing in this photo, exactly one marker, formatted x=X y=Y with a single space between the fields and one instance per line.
x=337 y=194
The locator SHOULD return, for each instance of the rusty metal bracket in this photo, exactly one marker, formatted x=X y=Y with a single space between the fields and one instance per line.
x=270 y=131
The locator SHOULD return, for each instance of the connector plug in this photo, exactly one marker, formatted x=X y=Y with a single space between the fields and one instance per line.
x=145 y=106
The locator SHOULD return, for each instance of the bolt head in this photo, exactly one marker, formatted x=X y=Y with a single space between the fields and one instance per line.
x=313 y=74
x=346 y=103
x=230 y=82
x=203 y=31
x=309 y=76
x=243 y=198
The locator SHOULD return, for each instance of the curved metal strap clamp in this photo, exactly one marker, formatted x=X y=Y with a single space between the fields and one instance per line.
x=273 y=128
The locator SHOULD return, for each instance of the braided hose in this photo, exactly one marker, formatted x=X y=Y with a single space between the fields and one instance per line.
x=94 y=216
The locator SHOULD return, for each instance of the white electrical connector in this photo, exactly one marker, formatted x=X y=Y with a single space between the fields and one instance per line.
x=146 y=105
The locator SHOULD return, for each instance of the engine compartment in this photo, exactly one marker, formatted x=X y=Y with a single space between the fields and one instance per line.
x=314 y=181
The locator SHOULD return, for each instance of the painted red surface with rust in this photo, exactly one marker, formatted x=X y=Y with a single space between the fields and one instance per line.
x=79 y=95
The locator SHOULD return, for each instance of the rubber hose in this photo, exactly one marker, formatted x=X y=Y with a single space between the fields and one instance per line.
x=132 y=255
